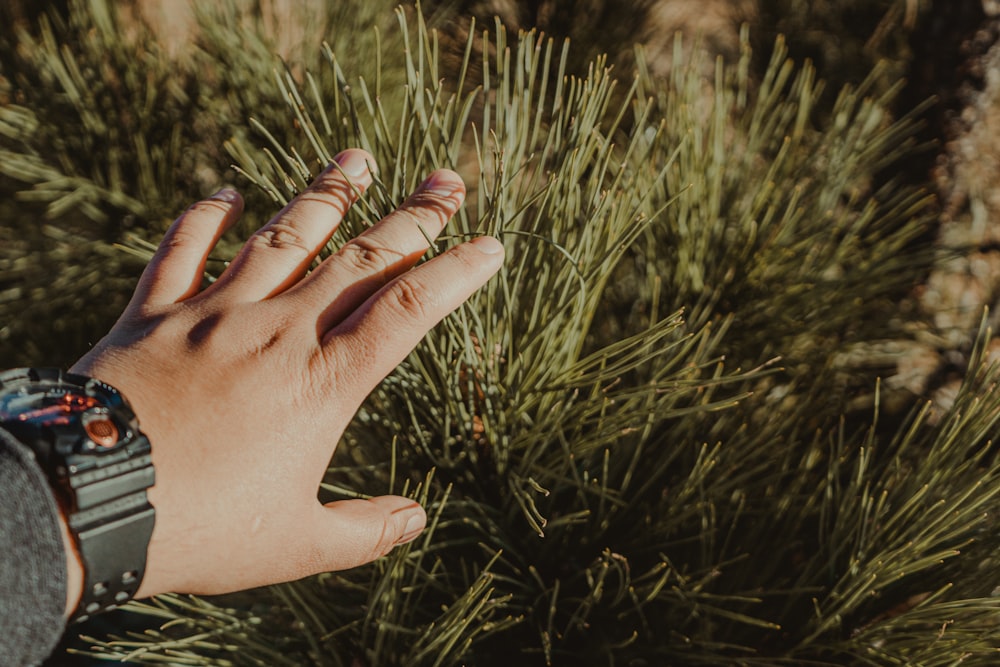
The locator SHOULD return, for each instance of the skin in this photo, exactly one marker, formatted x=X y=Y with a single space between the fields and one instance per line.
x=244 y=388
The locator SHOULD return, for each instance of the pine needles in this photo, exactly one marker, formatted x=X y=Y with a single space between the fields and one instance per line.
x=617 y=466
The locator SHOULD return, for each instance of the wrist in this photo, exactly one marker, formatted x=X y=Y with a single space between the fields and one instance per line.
x=74 y=568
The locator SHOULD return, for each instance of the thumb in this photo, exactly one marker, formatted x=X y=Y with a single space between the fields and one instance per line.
x=356 y=532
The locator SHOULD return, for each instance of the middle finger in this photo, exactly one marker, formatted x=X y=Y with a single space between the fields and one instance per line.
x=279 y=253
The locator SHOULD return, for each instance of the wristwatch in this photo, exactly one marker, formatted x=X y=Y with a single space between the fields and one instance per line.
x=86 y=438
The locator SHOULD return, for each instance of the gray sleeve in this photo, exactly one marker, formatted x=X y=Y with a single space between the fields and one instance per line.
x=32 y=559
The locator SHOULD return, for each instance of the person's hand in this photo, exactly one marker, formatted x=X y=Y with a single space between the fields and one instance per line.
x=245 y=387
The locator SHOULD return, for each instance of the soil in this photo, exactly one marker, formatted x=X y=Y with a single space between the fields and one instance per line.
x=957 y=59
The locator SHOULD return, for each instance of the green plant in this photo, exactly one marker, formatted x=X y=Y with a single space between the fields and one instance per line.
x=640 y=444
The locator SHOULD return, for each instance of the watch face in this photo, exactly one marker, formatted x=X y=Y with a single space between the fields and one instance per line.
x=48 y=405
x=65 y=413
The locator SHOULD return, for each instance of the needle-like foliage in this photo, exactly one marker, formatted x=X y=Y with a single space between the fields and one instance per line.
x=639 y=444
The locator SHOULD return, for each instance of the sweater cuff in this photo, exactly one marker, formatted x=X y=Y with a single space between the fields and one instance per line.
x=33 y=575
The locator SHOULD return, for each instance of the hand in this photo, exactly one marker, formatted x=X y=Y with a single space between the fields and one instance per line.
x=245 y=388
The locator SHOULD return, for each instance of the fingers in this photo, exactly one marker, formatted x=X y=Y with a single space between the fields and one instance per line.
x=354 y=532
x=279 y=253
x=377 y=336
x=366 y=263
x=177 y=268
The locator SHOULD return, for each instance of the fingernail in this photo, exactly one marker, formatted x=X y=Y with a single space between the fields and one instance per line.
x=354 y=163
x=226 y=194
x=487 y=245
x=414 y=526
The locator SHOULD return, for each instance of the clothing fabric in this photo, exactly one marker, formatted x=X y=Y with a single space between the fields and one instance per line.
x=32 y=559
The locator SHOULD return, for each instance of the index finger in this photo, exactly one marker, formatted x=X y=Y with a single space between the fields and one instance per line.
x=177 y=268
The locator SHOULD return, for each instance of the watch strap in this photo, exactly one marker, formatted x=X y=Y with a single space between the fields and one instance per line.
x=113 y=556
x=112 y=525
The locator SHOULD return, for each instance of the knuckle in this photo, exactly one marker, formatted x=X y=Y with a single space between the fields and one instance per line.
x=409 y=297
x=281 y=236
x=366 y=256
x=182 y=236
